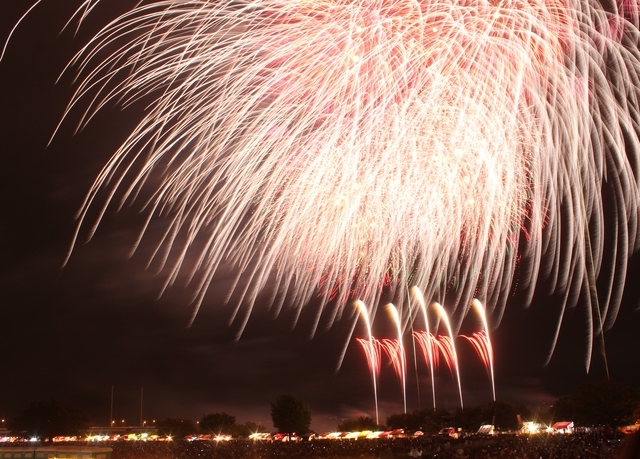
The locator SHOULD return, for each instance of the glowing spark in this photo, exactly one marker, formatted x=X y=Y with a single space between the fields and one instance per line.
x=448 y=346
x=445 y=345
x=436 y=346
x=480 y=342
x=372 y=350
x=487 y=348
x=424 y=340
x=400 y=356
x=333 y=147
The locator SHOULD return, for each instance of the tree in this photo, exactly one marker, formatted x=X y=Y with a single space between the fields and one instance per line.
x=290 y=415
x=253 y=427
x=434 y=420
x=409 y=421
x=217 y=423
x=246 y=429
x=599 y=403
x=470 y=418
x=175 y=428
x=359 y=424
x=48 y=419
x=502 y=414
x=427 y=420
x=562 y=410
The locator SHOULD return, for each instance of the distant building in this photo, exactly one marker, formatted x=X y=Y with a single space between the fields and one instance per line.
x=563 y=427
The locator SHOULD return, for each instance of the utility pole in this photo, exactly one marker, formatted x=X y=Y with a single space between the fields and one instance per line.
x=111 y=412
x=141 y=395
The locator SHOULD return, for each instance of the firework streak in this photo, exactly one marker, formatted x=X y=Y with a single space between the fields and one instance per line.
x=432 y=346
x=343 y=148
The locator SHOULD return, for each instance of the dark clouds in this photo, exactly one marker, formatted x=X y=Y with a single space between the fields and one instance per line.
x=74 y=332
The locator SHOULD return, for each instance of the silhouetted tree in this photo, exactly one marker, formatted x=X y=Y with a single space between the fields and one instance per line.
x=563 y=409
x=176 y=428
x=48 y=419
x=427 y=420
x=359 y=424
x=434 y=420
x=598 y=403
x=503 y=415
x=217 y=423
x=290 y=415
x=254 y=427
x=246 y=429
x=408 y=421
x=470 y=418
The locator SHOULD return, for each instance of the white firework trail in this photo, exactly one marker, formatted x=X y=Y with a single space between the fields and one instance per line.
x=331 y=147
x=451 y=346
x=402 y=356
x=487 y=355
x=373 y=355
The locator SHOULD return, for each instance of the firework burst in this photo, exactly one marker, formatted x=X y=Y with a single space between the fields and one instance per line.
x=333 y=148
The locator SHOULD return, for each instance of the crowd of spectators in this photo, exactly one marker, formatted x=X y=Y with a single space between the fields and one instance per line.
x=593 y=445
x=584 y=445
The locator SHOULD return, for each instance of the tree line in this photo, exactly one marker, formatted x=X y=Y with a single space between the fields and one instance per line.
x=48 y=419
x=601 y=403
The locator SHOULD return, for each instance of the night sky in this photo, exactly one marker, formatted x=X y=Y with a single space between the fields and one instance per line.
x=76 y=331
